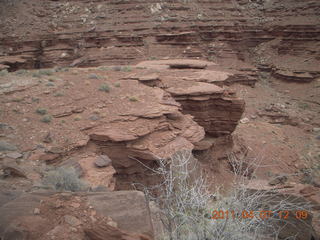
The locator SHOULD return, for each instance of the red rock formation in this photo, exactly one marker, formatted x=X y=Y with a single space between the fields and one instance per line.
x=78 y=33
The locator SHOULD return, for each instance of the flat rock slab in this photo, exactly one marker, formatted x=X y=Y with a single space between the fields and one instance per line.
x=176 y=64
x=196 y=90
x=14 y=155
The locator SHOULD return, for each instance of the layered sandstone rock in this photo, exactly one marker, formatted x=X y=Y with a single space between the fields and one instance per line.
x=218 y=114
x=81 y=34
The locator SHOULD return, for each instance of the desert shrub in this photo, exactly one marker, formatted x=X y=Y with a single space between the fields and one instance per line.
x=104 y=87
x=186 y=204
x=133 y=99
x=117 y=84
x=21 y=72
x=46 y=119
x=47 y=72
x=41 y=111
x=64 y=179
x=126 y=69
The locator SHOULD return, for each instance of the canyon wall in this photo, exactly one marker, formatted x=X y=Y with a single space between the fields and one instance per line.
x=40 y=34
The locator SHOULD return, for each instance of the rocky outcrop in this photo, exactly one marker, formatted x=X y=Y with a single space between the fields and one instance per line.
x=217 y=113
x=48 y=215
x=295 y=76
x=135 y=144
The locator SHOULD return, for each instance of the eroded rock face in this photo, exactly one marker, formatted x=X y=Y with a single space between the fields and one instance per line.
x=218 y=114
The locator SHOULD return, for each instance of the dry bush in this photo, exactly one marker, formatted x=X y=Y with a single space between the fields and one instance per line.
x=65 y=179
x=186 y=204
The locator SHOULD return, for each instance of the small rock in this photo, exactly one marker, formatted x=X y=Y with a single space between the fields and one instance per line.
x=5 y=146
x=316 y=129
x=71 y=220
x=102 y=161
x=36 y=211
x=244 y=120
x=253 y=116
x=14 y=155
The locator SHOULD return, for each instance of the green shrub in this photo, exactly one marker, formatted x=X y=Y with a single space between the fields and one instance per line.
x=126 y=69
x=46 y=119
x=117 y=84
x=104 y=87
x=47 y=72
x=41 y=111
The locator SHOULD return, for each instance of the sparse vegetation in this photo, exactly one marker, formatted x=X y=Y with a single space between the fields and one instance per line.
x=65 y=179
x=117 y=84
x=21 y=72
x=187 y=206
x=41 y=111
x=126 y=69
x=303 y=105
x=104 y=87
x=103 y=68
x=46 y=119
x=47 y=72
x=133 y=99
x=35 y=100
